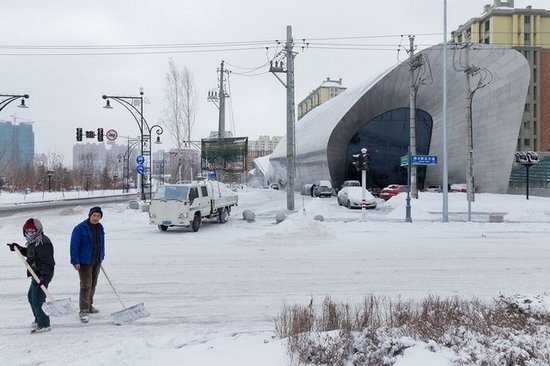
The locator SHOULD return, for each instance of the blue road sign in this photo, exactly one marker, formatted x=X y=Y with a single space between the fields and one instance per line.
x=140 y=169
x=424 y=160
x=140 y=159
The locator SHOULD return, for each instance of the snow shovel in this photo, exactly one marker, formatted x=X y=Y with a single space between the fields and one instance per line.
x=51 y=307
x=128 y=314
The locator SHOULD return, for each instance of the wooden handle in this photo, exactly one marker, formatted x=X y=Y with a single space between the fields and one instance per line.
x=112 y=286
x=31 y=271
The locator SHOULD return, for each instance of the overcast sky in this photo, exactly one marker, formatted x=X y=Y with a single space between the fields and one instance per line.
x=66 y=83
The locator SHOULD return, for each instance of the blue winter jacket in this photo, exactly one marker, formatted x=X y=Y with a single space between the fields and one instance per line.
x=81 y=243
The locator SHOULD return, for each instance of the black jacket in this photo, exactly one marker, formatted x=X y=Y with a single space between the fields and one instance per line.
x=40 y=257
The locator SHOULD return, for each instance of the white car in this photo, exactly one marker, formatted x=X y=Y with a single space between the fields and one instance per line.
x=351 y=197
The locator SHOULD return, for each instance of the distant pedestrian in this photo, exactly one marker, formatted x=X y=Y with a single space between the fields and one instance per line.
x=87 y=253
x=38 y=251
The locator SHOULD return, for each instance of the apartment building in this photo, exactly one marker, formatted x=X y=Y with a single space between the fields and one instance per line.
x=263 y=146
x=327 y=90
x=528 y=31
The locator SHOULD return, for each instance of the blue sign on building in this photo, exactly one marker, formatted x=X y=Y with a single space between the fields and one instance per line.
x=424 y=160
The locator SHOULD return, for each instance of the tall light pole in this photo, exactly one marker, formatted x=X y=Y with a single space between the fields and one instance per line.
x=129 y=102
x=8 y=98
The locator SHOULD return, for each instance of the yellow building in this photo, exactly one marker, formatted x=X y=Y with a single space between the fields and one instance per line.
x=328 y=89
x=528 y=31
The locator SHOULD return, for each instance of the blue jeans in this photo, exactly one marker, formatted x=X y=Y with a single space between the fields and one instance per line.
x=36 y=298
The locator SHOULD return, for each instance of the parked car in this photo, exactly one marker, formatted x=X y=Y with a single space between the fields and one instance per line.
x=274 y=186
x=459 y=187
x=351 y=197
x=322 y=188
x=351 y=183
x=434 y=188
x=375 y=191
x=392 y=190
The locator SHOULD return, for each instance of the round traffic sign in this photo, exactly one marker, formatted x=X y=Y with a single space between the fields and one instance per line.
x=140 y=159
x=111 y=135
x=140 y=169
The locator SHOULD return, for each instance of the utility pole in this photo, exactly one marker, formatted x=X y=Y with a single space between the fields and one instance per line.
x=290 y=114
x=414 y=63
x=290 y=135
x=469 y=130
x=221 y=121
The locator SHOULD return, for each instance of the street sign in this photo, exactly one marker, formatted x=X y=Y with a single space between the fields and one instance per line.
x=405 y=160
x=424 y=160
x=111 y=135
x=140 y=160
x=140 y=169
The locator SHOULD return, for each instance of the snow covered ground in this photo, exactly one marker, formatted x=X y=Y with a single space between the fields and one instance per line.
x=213 y=294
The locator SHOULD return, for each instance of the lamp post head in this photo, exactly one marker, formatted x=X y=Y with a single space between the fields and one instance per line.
x=22 y=104
x=107 y=104
x=364 y=150
x=158 y=140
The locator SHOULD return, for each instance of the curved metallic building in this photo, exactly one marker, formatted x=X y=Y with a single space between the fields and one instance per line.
x=376 y=116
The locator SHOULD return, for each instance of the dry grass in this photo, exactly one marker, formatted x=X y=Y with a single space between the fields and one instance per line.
x=378 y=330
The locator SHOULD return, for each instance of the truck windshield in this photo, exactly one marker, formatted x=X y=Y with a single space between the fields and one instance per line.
x=171 y=193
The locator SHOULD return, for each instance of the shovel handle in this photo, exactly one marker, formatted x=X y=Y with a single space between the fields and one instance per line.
x=112 y=286
x=31 y=271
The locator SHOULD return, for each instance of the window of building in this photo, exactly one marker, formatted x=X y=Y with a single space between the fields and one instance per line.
x=534 y=110
x=527 y=39
x=534 y=57
x=526 y=142
x=527 y=125
x=534 y=93
x=527 y=107
x=534 y=127
x=487 y=26
x=527 y=19
x=534 y=75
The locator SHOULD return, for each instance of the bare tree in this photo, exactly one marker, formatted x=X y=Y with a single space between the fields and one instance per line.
x=181 y=99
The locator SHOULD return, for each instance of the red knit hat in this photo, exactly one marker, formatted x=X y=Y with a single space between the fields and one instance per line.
x=29 y=225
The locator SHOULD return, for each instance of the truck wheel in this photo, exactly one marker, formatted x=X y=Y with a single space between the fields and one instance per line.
x=223 y=216
x=196 y=224
x=163 y=227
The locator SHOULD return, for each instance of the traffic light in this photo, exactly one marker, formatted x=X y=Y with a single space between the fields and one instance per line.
x=358 y=161
x=365 y=159
x=78 y=134
x=100 y=134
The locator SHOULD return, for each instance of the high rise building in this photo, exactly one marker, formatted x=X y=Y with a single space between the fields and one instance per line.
x=16 y=144
x=327 y=90
x=528 y=31
x=263 y=146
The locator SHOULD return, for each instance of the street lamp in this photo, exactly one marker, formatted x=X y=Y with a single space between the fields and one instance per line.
x=129 y=102
x=49 y=174
x=125 y=158
x=8 y=98
x=527 y=159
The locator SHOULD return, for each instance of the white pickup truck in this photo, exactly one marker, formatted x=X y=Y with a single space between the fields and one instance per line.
x=187 y=204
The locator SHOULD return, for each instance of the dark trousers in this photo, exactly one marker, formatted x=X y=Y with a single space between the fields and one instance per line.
x=88 y=274
x=36 y=298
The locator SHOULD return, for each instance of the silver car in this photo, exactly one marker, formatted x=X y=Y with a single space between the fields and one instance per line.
x=351 y=197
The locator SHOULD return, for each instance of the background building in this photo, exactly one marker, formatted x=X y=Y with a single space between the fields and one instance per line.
x=16 y=145
x=263 y=146
x=375 y=116
x=528 y=31
x=327 y=90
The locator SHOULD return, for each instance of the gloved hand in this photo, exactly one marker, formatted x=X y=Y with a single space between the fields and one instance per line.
x=42 y=281
x=12 y=245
